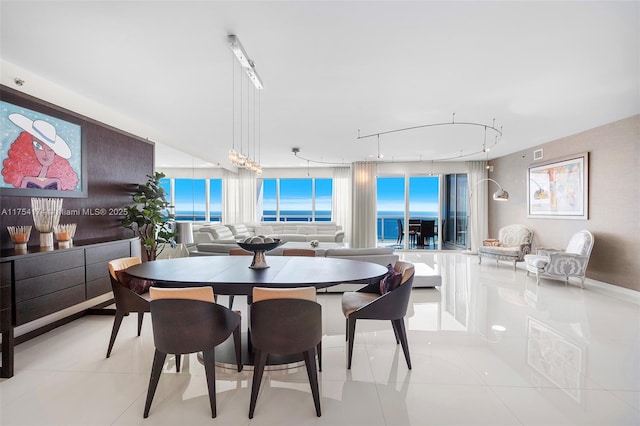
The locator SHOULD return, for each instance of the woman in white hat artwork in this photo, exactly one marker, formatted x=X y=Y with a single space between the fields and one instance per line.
x=38 y=158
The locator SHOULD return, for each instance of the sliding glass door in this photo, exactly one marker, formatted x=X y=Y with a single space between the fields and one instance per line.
x=456 y=207
x=408 y=208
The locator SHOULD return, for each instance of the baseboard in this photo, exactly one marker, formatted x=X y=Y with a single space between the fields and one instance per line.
x=622 y=293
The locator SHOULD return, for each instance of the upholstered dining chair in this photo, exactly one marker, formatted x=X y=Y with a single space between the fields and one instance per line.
x=126 y=300
x=299 y=252
x=285 y=321
x=187 y=320
x=563 y=264
x=392 y=304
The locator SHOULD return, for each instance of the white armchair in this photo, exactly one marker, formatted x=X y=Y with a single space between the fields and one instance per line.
x=562 y=264
x=513 y=243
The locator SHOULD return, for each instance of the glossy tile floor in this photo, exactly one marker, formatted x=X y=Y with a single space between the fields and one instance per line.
x=488 y=347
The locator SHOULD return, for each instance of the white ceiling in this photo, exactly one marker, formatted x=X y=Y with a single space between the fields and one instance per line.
x=542 y=70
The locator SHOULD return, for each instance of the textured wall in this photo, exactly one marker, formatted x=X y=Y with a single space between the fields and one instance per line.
x=614 y=199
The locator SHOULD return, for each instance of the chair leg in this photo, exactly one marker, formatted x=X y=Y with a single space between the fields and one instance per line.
x=346 y=329
x=156 y=370
x=230 y=301
x=140 y=318
x=237 y=343
x=178 y=357
x=351 y=323
x=582 y=281
x=209 y=358
x=402 y=333
x=260 y=359
x=479 y=260
x=514 y=265
x=310 y=361
x=117 y=320
x=319 y=351
x=537 y=278
x=395 y=332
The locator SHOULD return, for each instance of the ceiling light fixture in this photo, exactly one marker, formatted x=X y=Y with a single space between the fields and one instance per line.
x=247 y=64
x=485 y=149
x=239 y=159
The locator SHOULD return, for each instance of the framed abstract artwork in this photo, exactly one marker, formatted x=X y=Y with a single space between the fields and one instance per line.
x=559 y=190
x=42 y=152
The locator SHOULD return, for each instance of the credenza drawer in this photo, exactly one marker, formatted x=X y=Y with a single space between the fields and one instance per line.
x=107 y=252
x=98 y=287
x=48 y=264
x=39 y=307
x=44 y=285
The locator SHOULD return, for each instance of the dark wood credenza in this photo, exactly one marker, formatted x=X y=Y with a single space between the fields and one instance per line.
x=39 y=283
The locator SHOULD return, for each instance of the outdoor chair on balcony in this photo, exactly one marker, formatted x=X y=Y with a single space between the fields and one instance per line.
x=563 y=264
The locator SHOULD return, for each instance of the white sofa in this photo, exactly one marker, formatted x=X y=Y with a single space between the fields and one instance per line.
x=286 y=231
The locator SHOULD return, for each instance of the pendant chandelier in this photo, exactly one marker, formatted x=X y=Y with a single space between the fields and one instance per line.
x=240 y=159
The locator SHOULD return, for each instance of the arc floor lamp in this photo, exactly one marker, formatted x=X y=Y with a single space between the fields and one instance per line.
x=499 y=195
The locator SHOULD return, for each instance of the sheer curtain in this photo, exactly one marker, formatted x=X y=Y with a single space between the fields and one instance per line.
x=341 y=203
x=478 y=205
x=238 y=197
x=363 y=206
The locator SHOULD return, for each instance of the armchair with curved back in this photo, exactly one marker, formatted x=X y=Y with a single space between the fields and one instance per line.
x=286 y=321
x=513 y=243
x=187 y=320
x=563 y=264
x=368 y=303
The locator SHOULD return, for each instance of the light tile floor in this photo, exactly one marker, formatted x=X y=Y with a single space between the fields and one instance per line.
x=488 y=347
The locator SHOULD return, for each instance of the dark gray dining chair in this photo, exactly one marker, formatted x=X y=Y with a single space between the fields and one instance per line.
x=185 y=321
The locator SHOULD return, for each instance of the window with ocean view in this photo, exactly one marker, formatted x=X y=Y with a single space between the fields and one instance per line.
x=297 y=200
x=423 y=201
x=190 y=199
x=390 y=196
x=215 y=200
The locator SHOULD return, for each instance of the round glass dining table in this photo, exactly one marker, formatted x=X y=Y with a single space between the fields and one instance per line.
x=231 y=275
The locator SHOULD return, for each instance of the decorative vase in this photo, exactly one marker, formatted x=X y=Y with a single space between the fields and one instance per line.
x=46 y=215
x=19 y=236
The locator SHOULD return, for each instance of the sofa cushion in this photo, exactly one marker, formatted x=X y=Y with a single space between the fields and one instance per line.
x=222 y=233
x=240 y=230
x=263 y=230
x=306 y=229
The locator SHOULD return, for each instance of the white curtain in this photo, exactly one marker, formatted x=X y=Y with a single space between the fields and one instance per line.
x=341 y=203
x=478 y=204
x=239 y=197
x=363 y=206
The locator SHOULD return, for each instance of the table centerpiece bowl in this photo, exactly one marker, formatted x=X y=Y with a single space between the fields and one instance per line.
x=258 y=249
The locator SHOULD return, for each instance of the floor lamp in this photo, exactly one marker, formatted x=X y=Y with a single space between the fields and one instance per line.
x=499 y=195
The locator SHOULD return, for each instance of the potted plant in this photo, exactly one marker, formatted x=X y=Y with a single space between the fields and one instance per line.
x=149 y=217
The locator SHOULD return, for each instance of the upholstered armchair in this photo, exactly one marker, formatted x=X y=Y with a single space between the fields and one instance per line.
x=513 y=243
x=562 y=264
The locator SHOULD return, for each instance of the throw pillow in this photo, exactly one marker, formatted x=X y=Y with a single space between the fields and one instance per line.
x=391 y=280
x=136 y=285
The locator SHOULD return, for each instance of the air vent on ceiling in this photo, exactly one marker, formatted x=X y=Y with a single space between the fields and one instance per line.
x=537 y=154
